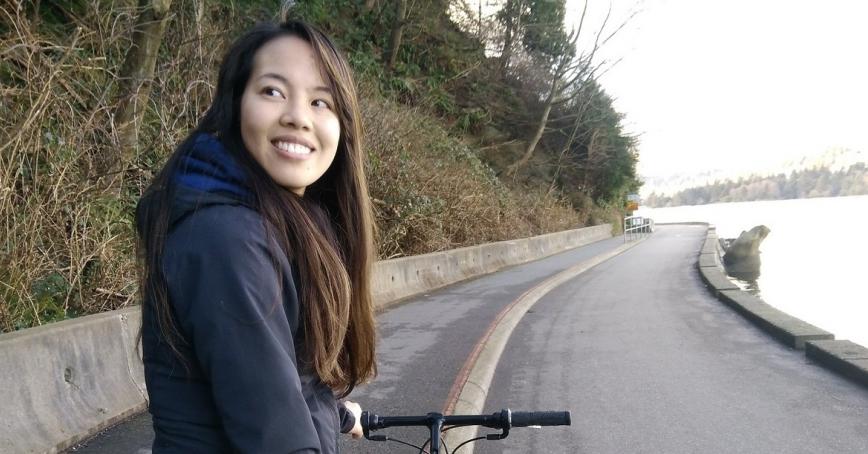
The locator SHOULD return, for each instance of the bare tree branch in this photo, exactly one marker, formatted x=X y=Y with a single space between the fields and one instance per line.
x=568 y=76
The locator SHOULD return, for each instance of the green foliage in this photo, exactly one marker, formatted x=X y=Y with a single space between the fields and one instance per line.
x=366 y=64
x=599 y=158
x=245 y=12
x=544 y=33
x=539 y=26
x=57 y=16
x=472 y=119
x=49 y=294
x=431 y=61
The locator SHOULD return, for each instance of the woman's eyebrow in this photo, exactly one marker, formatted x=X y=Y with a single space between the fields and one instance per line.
x=274 y=76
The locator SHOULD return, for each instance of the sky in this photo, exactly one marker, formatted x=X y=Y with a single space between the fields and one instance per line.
x=735 y=85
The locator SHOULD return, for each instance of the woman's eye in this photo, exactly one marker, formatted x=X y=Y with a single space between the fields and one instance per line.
x=321 y=103
x=270 y=91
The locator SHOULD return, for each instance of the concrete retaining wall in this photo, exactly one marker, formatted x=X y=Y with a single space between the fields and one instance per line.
x=845 y=357
x=63 y=382
x=400 y=278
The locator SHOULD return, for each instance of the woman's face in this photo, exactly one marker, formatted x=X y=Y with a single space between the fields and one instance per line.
x=288 y=118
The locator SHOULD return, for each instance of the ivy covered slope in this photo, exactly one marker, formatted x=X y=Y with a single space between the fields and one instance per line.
x=477 y=129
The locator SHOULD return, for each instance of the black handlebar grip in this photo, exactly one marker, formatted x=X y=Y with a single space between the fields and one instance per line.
x=540 y=418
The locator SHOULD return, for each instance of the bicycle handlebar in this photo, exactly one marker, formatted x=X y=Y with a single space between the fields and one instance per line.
x=498 y=420
x=540 y=418
x=502 y=420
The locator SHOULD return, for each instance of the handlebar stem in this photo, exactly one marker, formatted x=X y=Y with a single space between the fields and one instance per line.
x=436 y=427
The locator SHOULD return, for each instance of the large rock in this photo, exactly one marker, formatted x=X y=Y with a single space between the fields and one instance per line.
x=742 y=256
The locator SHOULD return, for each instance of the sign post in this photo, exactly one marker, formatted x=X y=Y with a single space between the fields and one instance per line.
x=633 y=202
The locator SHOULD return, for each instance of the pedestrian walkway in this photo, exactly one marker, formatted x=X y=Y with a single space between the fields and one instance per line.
x=649 y=362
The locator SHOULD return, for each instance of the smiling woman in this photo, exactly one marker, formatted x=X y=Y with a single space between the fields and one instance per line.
x=287 y=121
x=256 y=242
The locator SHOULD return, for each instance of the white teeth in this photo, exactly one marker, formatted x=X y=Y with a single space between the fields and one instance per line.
x=293 y=148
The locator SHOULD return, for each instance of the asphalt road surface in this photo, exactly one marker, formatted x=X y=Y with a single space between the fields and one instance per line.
x=423 y=344
x=648 y=361
x=642 y=355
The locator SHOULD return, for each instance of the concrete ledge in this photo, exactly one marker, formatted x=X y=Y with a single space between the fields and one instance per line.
x=69 y=380
x=842 y=356
x=710 y=246
x=715 y=279
x=62 y=383
x=399 y=278
x=790 y=330
x=709 y=259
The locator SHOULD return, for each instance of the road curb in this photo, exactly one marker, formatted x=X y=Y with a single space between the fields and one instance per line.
x=845 y=357
x=841 y=356
x=470 y=389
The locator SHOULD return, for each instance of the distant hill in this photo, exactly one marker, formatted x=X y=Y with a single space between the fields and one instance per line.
x=833 y=159
x=827 y=181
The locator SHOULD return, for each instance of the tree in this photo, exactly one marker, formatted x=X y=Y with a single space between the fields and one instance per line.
x=597 y=157
x=546 y=41
x=134 y=91
x=544 y=35
x=510 y=16
x=397 y=31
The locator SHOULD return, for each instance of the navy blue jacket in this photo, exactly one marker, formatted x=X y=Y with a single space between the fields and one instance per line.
x=245 y=390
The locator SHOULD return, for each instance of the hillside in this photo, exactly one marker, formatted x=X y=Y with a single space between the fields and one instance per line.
x=445 y=124
x=808 y=183
x=833 y=159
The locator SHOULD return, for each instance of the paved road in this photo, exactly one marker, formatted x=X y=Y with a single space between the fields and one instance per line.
x=423 y=345
x=649 y=362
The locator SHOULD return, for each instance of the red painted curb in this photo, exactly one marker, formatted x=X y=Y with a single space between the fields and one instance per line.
x=464 y=373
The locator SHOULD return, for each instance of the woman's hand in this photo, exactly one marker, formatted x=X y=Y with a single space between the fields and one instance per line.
x=356 y=410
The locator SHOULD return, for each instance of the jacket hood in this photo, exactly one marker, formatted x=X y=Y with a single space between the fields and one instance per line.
x=207 y=175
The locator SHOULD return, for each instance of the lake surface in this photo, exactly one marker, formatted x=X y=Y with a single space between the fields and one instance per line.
x=814 y=261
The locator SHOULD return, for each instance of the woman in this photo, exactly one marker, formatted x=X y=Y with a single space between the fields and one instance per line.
x=256 y=245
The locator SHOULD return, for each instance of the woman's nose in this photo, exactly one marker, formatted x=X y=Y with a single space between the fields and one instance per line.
x=296 y=113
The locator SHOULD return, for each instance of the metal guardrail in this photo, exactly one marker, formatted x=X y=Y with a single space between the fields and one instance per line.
x=636 y=227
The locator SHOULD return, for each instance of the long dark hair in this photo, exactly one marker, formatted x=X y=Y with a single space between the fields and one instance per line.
x=334 y=263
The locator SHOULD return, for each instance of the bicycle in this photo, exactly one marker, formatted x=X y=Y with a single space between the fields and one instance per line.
x=438 y=423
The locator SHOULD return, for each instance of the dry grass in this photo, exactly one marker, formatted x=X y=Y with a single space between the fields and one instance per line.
x=433 y=193
x=67 y=243
x=67 y=246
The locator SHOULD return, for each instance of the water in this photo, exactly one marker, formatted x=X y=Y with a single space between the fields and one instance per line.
x=814 y=261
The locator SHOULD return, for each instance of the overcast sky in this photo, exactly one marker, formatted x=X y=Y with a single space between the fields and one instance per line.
x=718 y=84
